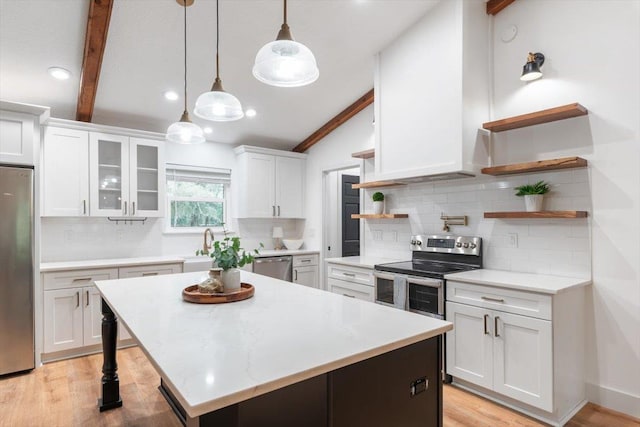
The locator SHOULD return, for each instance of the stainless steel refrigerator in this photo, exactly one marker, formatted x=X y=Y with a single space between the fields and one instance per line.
x=16 y=270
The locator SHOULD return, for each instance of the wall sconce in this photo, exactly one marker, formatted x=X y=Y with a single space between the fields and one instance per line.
x=531 y=70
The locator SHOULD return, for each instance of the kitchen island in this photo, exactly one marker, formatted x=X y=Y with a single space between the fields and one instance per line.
x=290 y=355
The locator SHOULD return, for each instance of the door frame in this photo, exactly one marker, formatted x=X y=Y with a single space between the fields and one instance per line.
x=355 y=163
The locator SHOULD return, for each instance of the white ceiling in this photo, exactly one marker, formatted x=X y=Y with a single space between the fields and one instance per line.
x=144 y=58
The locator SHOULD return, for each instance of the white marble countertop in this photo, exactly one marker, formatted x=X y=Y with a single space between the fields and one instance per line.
x=108 y=263
x=541 y=283
x=215 y=355
x=361 y=261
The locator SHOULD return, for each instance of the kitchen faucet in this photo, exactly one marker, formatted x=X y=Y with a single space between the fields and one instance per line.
x=205 y=246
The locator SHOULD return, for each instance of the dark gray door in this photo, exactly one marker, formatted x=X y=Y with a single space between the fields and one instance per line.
x=350 y=227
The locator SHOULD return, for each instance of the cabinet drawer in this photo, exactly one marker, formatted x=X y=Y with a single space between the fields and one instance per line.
x=149 y=270
x=351 y=290
x=359 y=275
x=76 y=278
x=305 y=260
x=507 y=300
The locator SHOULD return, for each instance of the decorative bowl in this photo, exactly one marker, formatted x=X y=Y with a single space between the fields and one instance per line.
x=293 y=244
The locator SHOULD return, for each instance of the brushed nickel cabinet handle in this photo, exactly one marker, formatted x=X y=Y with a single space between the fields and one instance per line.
x=305 y=260
x=349 y=274
x=84 y=207
x=82 y=279
x=125 y=208
x=492 y=299
x=133 y=208
x=350 y=296
x=486 y=332
x=495 y=327
x=273 y=210
x=296 y=275
x=87 y=298
x=77 y=299
x=278 y=210
x=153 y=273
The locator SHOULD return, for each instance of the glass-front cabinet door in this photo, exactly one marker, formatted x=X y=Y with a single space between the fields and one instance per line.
x=109 y=174
x=147 y=177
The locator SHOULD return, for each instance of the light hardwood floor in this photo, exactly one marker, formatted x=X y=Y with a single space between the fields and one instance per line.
x=64 y=394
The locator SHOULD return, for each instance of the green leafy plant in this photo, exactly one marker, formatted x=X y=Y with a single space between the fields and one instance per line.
x=227 y=253
x=539 y=187
x=377 y=196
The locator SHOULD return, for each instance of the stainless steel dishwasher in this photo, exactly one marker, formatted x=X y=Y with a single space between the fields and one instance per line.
x=278 y=267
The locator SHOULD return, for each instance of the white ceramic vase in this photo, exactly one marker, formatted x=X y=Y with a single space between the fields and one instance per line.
x=533 y=202
x=378 y=207
x=231 y=279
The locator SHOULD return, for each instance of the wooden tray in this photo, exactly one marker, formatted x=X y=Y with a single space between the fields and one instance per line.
x=191 y=294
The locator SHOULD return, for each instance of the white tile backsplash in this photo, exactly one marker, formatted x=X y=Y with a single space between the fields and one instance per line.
x=556 y=246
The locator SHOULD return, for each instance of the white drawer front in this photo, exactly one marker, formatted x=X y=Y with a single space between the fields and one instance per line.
x=351 y=290
x=305 y=260
x=494 y=298
x=149 y=270
x=76 y=278
x=362 y=276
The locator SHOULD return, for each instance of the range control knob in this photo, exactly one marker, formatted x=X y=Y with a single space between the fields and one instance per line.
x=458 y=245
x=466 y=245
x=418 y=242
x=413 y=242
x=473 y=246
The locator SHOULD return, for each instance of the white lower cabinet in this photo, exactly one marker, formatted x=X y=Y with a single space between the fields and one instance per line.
x=73 y=306
x=351 y=281
x=305 y=270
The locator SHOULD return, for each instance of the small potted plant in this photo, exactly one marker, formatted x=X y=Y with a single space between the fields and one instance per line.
x=378 y=203
x=229 y=256
x=533 y=195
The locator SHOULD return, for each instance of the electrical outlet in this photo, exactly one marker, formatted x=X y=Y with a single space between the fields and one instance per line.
x=377 y=234
x=512 y=240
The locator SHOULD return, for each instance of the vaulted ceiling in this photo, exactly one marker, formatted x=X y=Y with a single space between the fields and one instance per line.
x=144 y=58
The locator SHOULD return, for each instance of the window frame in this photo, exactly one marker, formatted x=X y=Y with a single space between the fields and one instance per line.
x=226 y=200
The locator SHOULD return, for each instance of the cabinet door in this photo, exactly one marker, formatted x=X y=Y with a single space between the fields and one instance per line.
x=307 y=276
x=257 y=198
x=65 y=172
x=109 y=174
x=523 y=364
x=16 y=138
x=92 y=314
x=289 y=187
x=62 y=319
x=351 y=290
x=470 y=344
x=147 y=178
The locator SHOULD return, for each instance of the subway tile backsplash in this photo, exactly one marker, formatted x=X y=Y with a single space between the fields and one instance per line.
x=557 y=246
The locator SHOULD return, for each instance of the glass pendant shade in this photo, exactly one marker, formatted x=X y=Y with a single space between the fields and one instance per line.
x=218 y=105
x=185 y=132
x=285 y=63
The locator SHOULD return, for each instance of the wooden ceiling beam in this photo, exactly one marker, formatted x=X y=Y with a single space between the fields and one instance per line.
x=94 y=44
x=353 y=109
x=495 y=6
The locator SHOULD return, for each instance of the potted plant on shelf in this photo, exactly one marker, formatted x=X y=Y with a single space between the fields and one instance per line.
x=228 y=255
x=533 y=195
x=378 y=203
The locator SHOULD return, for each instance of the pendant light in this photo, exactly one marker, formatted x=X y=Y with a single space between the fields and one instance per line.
x=285 y=62
x=531 y=70
x=185 y=132
x=218 y=105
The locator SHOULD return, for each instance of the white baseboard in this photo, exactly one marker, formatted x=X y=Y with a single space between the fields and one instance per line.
x=614 y=399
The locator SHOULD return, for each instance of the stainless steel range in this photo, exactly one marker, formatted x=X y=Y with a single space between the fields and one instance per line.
x=418 y=285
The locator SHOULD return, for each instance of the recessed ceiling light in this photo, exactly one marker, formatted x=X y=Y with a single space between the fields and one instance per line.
x=250 y=112
x=171 y=95
x=207 y=130
x=59 y=73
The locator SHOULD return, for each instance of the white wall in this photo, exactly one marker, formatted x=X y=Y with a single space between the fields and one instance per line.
x=593 y=51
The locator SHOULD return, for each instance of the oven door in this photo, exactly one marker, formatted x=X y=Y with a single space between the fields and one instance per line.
x=426 y=296
x=384 y=288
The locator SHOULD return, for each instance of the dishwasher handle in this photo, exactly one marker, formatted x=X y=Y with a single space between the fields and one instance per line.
x=277 y=259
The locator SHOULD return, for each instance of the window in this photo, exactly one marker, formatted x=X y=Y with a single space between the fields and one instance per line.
x=197 y=197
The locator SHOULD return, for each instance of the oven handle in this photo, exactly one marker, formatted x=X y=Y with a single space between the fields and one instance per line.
x=385 y=276
x=432 y=283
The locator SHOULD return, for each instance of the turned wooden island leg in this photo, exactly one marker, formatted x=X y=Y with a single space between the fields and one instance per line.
x=110 y=384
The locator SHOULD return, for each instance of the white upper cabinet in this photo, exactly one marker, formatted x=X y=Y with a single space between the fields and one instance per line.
x=269 y=183
x=431 y=87
x=65 y=170
x=126 y=176
x=20 y=132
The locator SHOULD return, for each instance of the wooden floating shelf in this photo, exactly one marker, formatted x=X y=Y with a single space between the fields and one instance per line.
x=536 y=118
x=366 y=154
x=539 y=214
x=376 y=184
x=378 y=216
x=537 y=166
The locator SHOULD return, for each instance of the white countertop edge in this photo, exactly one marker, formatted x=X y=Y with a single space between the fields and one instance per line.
x=361 y=261
x=283 y=252
x=112 y=262
x=531 y=282
x=240 y=396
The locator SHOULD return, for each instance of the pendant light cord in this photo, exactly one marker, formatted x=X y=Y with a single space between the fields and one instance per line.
x=217 y=40
x=185 y=55
x=285 y=12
